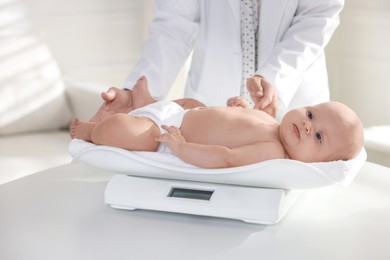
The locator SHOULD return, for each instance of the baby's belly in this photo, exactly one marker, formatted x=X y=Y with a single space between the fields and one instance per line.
x=220 y=127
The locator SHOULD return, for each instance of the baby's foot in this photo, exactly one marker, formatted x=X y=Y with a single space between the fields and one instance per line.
x=140 y=93
x=115 y=101
x=81 y=129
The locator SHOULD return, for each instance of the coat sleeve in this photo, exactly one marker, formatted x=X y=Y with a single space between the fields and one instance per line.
x=171 y=39
x=301 y=44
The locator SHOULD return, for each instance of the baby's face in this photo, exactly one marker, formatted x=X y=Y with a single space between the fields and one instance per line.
x=314 y=133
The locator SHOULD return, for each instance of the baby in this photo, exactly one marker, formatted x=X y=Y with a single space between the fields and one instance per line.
x=221 y=137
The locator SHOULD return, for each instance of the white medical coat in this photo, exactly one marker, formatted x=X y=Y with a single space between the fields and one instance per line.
x=292 y=38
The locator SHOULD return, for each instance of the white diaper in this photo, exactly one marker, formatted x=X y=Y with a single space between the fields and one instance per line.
x=162 y=113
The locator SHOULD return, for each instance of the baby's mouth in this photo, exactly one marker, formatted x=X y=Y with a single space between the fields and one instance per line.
x=296 y=130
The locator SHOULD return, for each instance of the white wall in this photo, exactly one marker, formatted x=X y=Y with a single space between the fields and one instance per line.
x=359 y=60
x=92 y=40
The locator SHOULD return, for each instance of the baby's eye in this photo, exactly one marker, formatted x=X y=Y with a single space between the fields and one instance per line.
x=318 y=137
x=309 y=115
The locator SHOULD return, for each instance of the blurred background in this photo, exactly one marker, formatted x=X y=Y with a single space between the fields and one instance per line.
x=99 y=40
x=95 y=43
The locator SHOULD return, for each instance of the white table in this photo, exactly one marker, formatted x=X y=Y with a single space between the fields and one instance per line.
x=60 y=214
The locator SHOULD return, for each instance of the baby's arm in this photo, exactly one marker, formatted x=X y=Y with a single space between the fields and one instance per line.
x=218 y=156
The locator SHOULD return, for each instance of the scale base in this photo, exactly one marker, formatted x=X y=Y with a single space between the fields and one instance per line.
x=250 y=204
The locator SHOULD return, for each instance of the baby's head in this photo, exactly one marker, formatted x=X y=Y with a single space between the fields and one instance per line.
x=325 y=132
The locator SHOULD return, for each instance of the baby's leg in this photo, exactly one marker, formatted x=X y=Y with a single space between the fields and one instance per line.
x=115 y=100
x=142 y=97
x=123 y=101
x=188 y=103
x=140 y=93
x=128 y=132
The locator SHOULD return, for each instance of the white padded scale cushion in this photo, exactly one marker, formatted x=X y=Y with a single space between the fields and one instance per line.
x=278 y=173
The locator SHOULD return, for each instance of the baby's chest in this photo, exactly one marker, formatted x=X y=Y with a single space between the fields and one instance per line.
x=259 y=133
x=240 y=135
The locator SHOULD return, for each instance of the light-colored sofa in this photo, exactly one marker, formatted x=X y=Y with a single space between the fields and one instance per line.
x=36 y=106
x=26 y=152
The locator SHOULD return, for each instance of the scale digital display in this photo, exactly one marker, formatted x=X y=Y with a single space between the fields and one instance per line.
x=190 y=194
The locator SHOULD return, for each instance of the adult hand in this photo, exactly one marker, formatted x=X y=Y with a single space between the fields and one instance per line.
x=263 y=95
x=115 y=101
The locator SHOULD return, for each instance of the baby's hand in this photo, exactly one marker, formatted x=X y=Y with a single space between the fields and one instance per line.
x=237 y=102
x=172 y=138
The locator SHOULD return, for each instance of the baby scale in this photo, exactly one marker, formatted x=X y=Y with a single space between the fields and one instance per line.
x=260 y=193
x=249 y=204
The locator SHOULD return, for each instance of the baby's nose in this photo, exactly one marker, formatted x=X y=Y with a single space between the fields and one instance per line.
x=307 y=126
